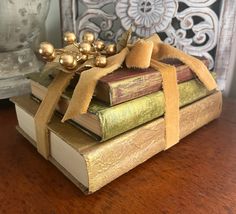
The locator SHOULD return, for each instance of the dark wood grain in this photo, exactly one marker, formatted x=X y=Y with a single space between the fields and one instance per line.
x=196 y=176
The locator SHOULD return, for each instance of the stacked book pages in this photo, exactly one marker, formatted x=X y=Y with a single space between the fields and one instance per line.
x=124 y=125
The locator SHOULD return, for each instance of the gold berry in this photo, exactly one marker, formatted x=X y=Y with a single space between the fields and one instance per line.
x=101 y=61
x=99 y=45
x=46 y=49
x=82 y=58
x=88 y=37
x=50 y=58
x=85 y=47
x=111 y=49
x=69 y=38
x=68 y=61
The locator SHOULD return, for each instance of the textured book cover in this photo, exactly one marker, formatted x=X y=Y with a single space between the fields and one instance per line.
x=107 y=122
x=91 y=165
x=127 y=84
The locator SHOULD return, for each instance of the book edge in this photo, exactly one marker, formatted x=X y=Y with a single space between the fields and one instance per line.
x=83 y=188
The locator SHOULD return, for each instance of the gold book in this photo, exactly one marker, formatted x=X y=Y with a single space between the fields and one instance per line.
x=90 y=164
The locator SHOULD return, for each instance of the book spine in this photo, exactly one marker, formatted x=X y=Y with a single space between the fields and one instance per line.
x=123 y=117
x=116 y=92
x=135 y=147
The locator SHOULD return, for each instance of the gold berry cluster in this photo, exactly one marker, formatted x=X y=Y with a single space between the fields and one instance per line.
x=88 y=48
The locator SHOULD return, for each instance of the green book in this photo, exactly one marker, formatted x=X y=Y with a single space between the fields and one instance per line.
x=104 y=122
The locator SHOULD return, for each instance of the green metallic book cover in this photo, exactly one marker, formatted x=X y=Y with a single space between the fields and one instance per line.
x=123 y=117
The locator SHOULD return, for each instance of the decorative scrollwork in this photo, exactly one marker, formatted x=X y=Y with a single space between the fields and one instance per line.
x=192 y=27
x=147 y=17
x=198 y=3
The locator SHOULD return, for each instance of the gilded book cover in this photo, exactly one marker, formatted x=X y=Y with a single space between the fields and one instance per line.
x=127 y=84
x=91 y=165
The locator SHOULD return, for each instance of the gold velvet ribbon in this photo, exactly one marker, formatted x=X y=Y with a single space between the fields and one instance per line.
x=143 y=54
x=171 y=94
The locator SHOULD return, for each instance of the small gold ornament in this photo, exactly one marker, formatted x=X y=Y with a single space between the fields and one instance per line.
x=85 y=47
x=88 y=37
x=69 y=38
x=99 y=45
x=68 y=61
x=50 y=58
x=86 y=54
x=82 y=58
x=46 y=49
x=100 y=61
x=111 y=49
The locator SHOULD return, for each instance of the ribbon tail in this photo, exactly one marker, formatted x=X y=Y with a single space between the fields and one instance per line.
x=198 y=67
x=84 y=89
x=46 y=109
x=171 y=94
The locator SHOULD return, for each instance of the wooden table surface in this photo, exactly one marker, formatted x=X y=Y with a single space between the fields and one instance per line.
x=196 y=176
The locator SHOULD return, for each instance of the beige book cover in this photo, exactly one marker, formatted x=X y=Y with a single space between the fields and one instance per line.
x=91 y=164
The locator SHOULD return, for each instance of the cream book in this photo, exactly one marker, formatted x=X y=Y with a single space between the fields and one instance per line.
x=91 y=164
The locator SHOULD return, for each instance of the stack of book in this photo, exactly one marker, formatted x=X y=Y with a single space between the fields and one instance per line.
x=124 y=125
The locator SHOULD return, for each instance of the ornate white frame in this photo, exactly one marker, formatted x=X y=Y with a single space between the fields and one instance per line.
x=210 y=32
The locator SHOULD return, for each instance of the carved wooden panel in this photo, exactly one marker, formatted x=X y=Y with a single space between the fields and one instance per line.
x=195 y=26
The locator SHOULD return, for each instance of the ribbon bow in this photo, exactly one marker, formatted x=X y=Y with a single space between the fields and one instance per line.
x=143 y=54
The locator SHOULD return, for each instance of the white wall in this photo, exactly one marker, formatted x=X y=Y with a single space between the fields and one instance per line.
x=230 y=89
x=53 y=24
